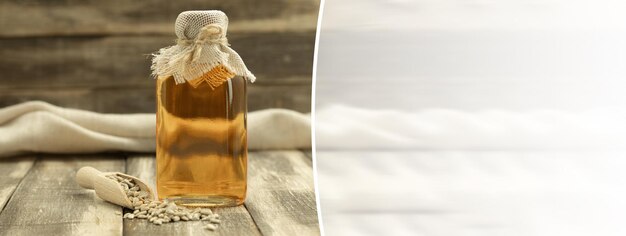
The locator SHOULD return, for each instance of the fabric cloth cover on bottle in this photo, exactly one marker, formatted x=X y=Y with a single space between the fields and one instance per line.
x=201 y=46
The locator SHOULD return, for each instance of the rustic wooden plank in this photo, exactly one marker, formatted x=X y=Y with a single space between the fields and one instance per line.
x=125 y=100
x=235 y=220
x=280 y=55
x=133 y=100
x=141 y=99
x=281 y=198
x=113 y=62
x=49 y=202
x=73 y=98
x=296 y=98
x=14 y=169
x=115 y=17
x=259 y=97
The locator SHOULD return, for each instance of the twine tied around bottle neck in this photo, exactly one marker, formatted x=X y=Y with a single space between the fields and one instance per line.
x=209 y=34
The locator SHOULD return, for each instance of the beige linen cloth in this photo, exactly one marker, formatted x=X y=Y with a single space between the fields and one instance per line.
x=41 y=127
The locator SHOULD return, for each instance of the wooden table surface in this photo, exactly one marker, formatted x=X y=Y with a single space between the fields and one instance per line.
x=39 y=196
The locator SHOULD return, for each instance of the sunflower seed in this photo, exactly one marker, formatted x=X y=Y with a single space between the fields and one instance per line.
x=210 y=227
x=160 y=212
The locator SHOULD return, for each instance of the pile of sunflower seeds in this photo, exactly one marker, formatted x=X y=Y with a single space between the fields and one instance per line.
x=161 y=212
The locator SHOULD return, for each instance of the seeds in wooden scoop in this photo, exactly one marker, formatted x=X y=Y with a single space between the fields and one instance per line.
x=161 y=212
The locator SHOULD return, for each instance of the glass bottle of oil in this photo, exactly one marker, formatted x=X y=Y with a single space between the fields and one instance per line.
x=201 y=115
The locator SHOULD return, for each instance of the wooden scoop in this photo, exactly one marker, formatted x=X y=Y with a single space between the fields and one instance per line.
x=108 y=189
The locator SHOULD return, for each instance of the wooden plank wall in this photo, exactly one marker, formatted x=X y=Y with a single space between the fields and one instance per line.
x=93 y=54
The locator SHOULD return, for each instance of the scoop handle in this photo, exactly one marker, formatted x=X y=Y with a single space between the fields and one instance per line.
x=85 y=176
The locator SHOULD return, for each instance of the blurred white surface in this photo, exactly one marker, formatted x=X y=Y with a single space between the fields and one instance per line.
x=472 y=69
x=348 y=128
x=472 y=192
x=471 y=117
x=357 y=15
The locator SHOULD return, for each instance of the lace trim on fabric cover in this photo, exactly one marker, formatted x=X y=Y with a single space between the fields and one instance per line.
x=201 y=46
